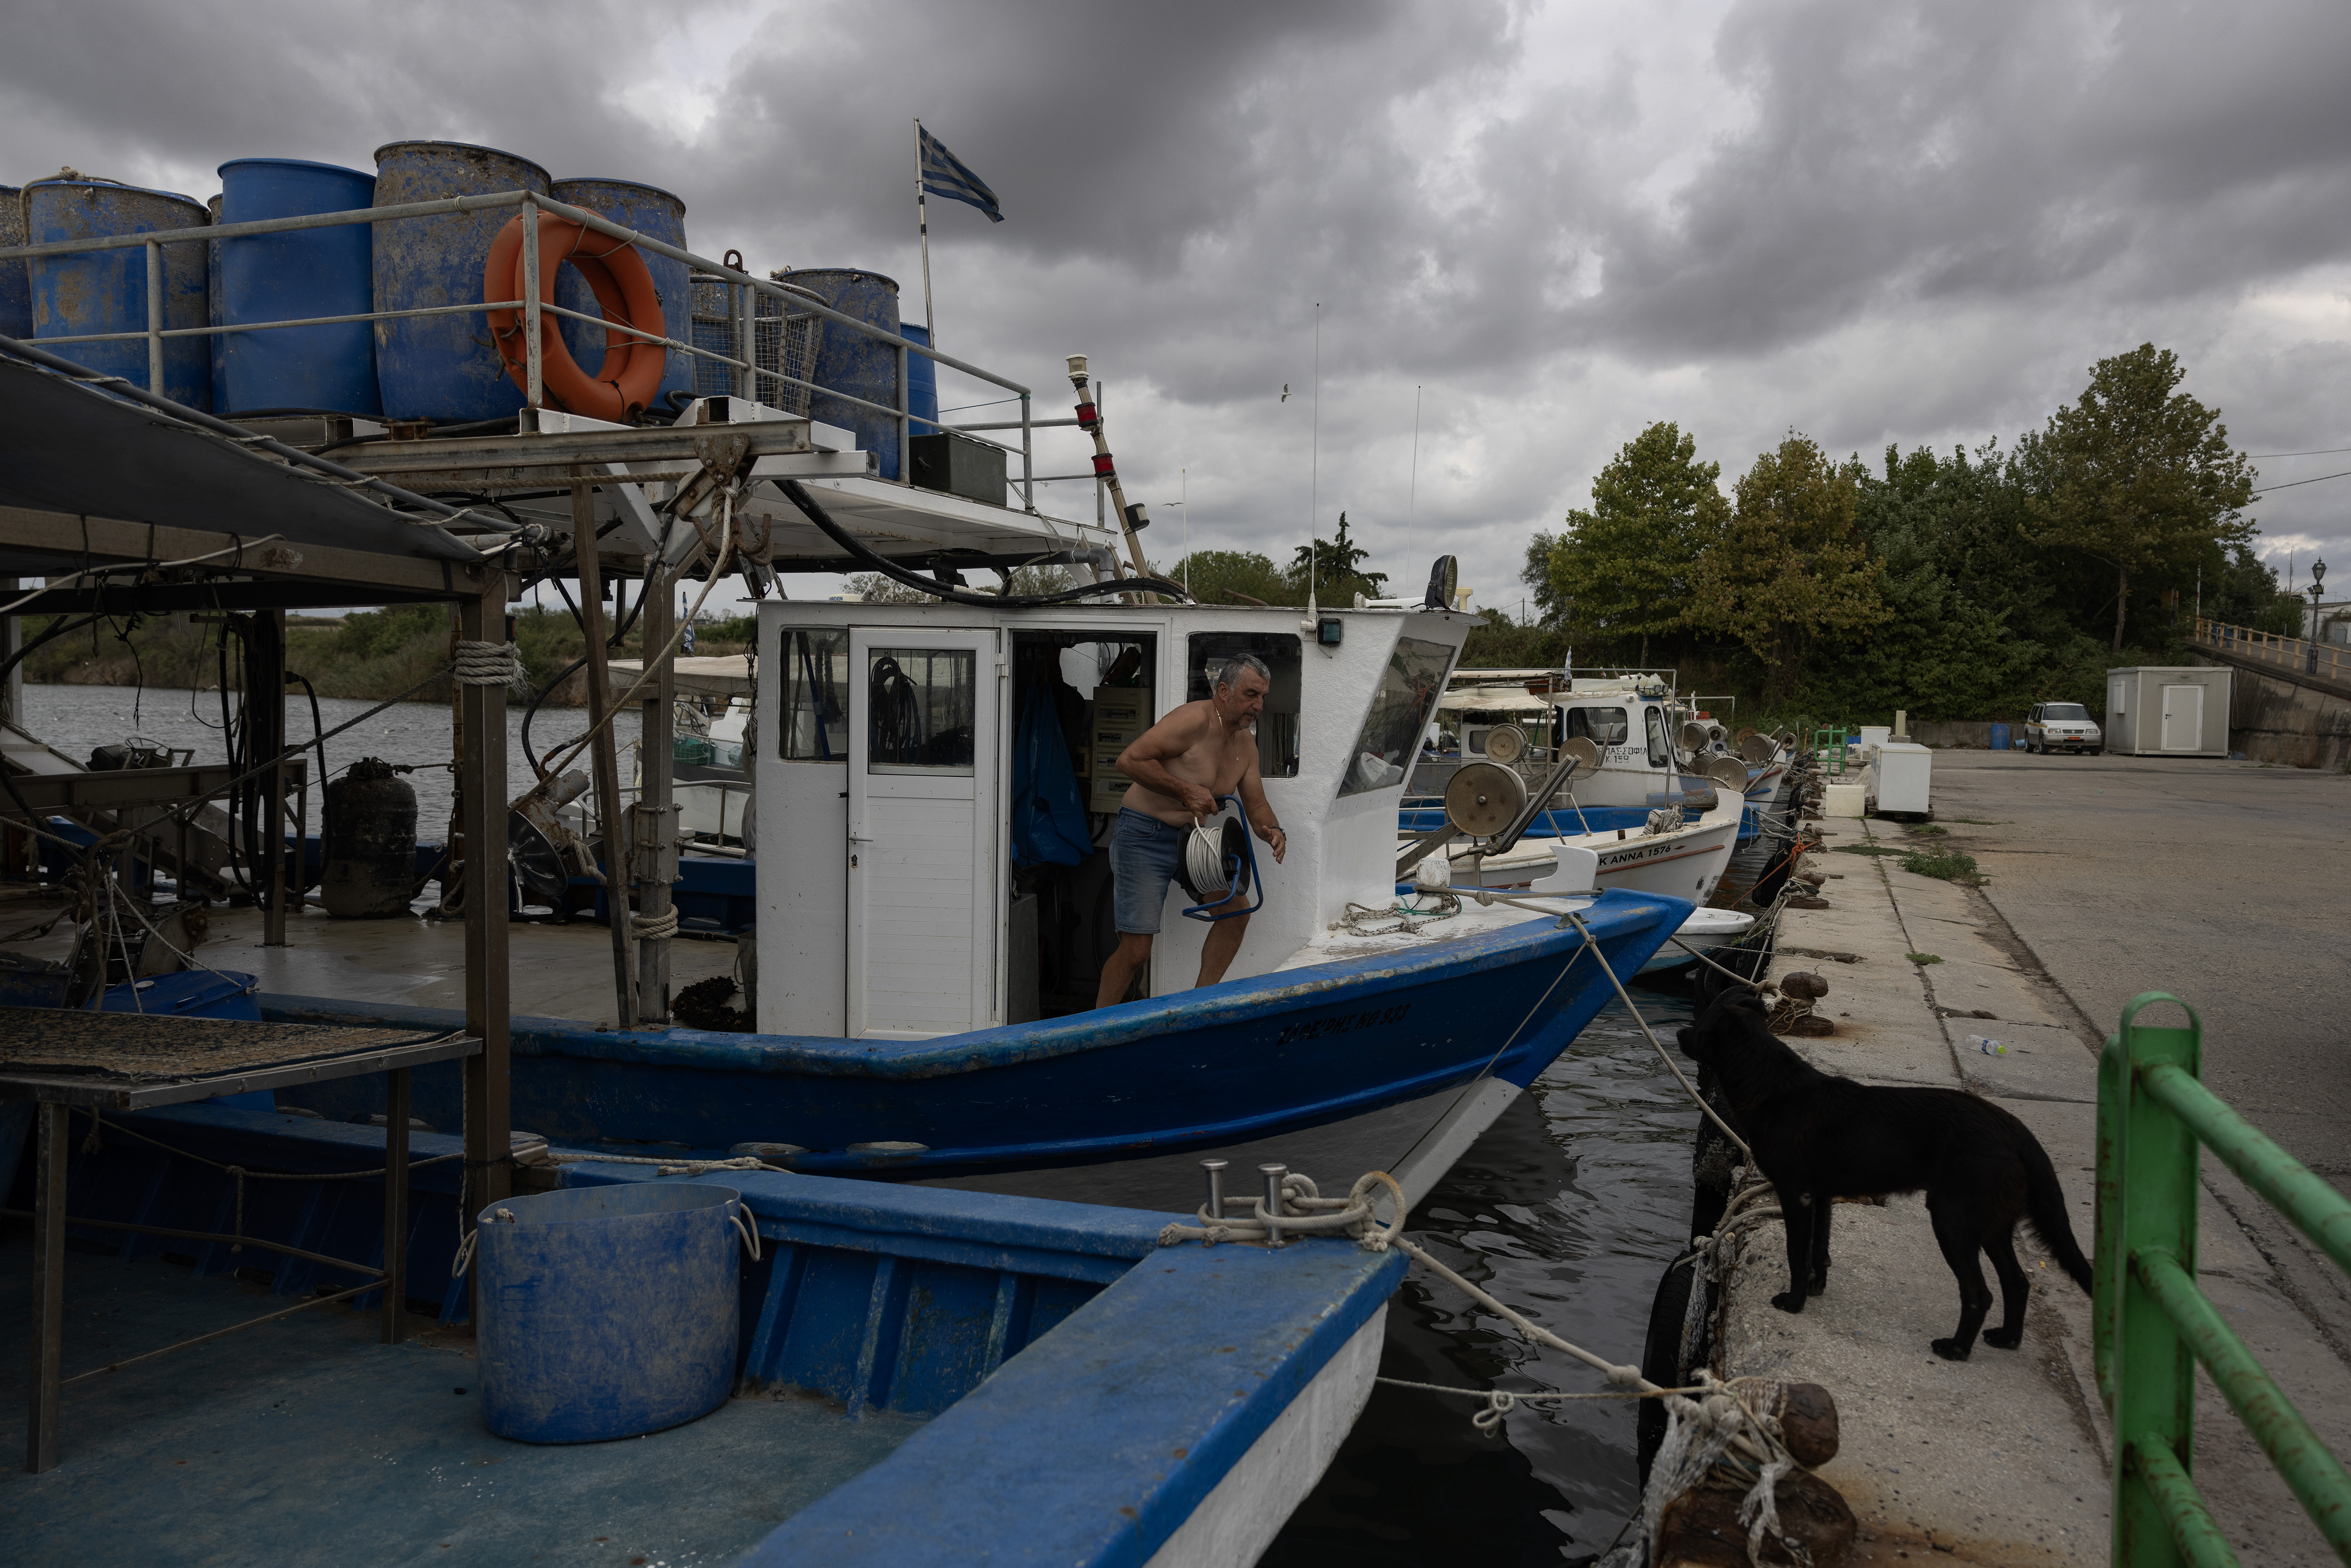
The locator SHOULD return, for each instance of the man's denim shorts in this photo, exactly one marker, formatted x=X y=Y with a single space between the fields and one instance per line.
x=1144 y=854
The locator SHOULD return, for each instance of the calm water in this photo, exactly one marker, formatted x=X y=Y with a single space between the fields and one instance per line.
x=1568 y=1209
x=74 y=719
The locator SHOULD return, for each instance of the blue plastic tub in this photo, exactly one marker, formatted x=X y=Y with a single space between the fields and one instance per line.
x=653 y=211
x=442 y=368
x=105 y=290
x=16 y=282
x=287 y=277
x=1999 y=737
x=848 y=360
x=607 y=1311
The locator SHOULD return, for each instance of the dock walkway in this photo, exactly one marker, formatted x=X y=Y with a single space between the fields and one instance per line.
x=2004 y=1458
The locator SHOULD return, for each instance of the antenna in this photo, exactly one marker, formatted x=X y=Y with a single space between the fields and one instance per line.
x=1314 y=466
x=1184 y=496
x=1411 y=495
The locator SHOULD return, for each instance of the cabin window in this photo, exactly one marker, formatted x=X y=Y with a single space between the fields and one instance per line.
x=1661 y=751
x=1603 y=726
x=1407 y=695
x=918 y=709
x=815 y=727
x=1277 y=725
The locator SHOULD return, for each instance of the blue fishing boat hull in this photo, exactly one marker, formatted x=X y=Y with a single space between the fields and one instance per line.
x=1207 y=1070
x=920 y=1376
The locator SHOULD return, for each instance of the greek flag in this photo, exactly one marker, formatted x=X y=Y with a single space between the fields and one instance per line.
x=943 y=175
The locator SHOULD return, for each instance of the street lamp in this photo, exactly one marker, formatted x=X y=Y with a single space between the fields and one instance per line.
x=2317 y=575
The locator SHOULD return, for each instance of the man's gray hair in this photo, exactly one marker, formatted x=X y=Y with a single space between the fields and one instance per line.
x=1236 y=663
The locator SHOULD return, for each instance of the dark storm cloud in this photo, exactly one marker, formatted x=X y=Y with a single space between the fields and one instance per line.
x=1876 y=222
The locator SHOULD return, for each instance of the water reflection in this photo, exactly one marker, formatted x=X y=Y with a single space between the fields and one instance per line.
x=1567 y=1210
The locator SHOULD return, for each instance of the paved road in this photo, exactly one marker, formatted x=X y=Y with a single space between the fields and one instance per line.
x=2227 y=884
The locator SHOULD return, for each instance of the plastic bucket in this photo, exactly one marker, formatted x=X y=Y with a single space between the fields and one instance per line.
x=105 y=290
x=655 y=213
x=442 y=367
x=1999 y=737
x=606 y=1311
x=288 y=276
x=848 y=361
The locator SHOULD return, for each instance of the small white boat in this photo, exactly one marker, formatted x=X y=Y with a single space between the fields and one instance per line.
x=1705 y=930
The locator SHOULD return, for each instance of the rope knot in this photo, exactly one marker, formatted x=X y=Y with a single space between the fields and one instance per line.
x=653 y=927
x=1499 y=1404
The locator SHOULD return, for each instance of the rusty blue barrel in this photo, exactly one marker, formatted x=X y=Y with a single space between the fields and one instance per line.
x=213 y=305
x=848 y=361
x=105 y=290
x=16 y=281
x=442 y=368
x=651 y=212
x=290 y=276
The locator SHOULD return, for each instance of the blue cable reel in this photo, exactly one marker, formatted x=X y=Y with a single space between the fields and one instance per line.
x=1216 y=866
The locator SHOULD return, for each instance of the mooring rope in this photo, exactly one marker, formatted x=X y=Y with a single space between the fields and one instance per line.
x=487 y=664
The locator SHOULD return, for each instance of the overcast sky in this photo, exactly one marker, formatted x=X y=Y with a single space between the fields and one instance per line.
x=1551 y=224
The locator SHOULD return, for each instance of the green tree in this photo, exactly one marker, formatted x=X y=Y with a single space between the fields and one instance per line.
x=1232 y=577
x=2138 y=476
x=1622 y=570
x=1550 y=610
x=1791 y=568
x=1334 y=569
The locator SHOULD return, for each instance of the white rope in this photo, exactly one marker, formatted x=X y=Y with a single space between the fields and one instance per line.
x=1409 y=917
x=668 y=1167
x=487 y=664
x=1302 y=1211
x=1663 y=1054
x=653 y=927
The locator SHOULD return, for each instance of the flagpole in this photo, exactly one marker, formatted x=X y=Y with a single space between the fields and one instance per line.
x=923 y=227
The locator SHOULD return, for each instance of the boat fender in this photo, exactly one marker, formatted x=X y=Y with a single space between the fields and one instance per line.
x=632 y=371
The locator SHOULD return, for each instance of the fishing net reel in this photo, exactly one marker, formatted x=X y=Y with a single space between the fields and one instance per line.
x=1218 y=864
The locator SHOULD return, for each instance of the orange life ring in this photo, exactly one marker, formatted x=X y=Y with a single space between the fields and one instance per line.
x=632 y=371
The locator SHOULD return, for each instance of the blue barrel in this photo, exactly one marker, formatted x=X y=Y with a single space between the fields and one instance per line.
x=922 y=381
x=606 y=1311
x=657 y=213
x=442 y=368
x=849 y=361
x=213 y=306
x=287 y=277
x=16 y=281
x=105 y=290
x=1999 y=737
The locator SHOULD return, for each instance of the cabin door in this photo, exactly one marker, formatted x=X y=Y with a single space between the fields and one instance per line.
x=923 y=832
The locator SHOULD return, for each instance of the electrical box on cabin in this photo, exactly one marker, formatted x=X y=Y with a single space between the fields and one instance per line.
x=958 y=466
x=1119 y=716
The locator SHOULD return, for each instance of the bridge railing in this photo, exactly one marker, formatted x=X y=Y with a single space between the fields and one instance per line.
x=2331 y=660
x=2152 y=1323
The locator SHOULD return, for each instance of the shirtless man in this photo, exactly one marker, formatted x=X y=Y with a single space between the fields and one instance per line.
x=1180 y=767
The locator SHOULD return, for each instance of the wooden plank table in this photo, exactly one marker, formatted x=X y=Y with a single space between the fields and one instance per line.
x=126 y=1062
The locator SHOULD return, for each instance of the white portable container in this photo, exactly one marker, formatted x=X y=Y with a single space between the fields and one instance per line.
x=1901 y=778
x=2157 y=710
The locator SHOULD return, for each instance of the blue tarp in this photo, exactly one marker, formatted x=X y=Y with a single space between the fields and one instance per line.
x=1048 y=816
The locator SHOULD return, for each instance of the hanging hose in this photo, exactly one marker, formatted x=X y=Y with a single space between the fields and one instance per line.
x=620 y=635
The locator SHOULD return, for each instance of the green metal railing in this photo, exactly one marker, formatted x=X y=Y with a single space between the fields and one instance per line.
x=1828 y=749
x=2153 y=1325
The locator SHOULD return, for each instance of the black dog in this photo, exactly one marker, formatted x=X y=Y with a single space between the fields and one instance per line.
x=1818 y=1138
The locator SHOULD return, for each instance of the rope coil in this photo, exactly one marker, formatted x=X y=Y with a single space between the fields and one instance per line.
x=487 y=664
x=653 y=927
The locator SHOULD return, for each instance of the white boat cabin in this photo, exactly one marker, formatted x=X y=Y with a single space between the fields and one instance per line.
x=936 y=796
